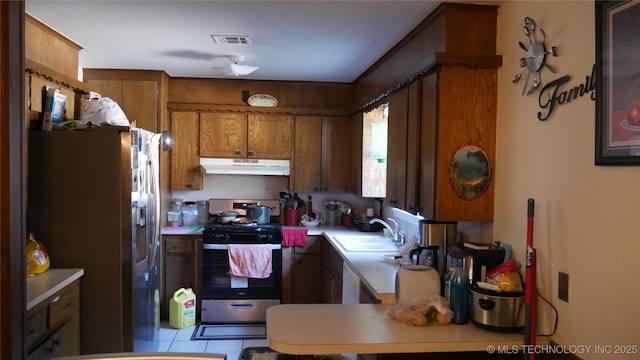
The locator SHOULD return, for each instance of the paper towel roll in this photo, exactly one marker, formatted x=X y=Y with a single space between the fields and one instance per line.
x=416 y=280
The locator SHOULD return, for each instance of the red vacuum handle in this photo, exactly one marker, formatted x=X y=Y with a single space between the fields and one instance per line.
x=530 y=285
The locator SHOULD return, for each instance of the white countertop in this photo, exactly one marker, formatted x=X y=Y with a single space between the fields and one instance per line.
x=377 y=275
x=48 y=283
x=367 y=329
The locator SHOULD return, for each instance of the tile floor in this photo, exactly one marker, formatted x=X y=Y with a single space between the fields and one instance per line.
x=179 y=340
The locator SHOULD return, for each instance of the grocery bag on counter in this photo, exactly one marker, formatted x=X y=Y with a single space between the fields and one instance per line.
x=37 y=256
x=104 y=111
x=423 y=310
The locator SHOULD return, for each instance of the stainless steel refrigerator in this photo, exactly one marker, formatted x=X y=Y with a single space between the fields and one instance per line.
x=93 y=202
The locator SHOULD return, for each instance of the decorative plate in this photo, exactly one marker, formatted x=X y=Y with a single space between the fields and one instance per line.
x=262 y=100
x=470 y=172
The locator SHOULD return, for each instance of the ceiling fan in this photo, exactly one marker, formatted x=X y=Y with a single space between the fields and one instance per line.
x=230 y=67
x=235 y=69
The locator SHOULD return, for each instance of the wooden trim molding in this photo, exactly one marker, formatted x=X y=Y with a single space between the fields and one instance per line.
x=52 y=75
x=12 y=182
x=245 y=109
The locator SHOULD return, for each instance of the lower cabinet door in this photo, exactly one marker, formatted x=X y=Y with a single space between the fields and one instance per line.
x=64 y=342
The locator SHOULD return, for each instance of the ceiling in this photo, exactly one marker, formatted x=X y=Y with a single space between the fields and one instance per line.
x=304 y=40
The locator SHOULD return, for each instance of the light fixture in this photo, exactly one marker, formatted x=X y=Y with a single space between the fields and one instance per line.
x=235 y=69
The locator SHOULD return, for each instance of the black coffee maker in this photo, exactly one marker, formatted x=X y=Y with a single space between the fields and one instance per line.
x=433 y=245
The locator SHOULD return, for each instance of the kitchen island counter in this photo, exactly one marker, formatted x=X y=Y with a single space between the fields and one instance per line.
x=367 y=329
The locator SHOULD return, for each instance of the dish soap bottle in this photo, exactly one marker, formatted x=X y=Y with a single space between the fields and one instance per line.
x=459 y=294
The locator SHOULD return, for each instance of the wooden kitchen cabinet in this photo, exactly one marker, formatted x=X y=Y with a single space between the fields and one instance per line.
x=458 y=108
x=246 y=136
x=307 y=271
x=321 y=154
x=142 y=94
x=428 y=122
x=223 y=135
x=307 y=154
x=185 y=162
x=270 y=136
x=53 y=326
x=404 y=139
x=397 y=149
x=181 y=263
x=302 y=272
x=332 y=281
x=335 y=154
x=355 y=153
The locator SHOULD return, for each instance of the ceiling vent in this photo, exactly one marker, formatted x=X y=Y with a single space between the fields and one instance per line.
x=231 y=39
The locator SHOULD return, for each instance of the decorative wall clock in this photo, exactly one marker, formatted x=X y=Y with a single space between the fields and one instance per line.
x=535 y=58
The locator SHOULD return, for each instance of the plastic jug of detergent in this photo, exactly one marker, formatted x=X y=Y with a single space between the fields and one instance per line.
x=182 y=308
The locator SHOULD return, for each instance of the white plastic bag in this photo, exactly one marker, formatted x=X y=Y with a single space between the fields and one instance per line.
x=104 y=111
x=423 y=310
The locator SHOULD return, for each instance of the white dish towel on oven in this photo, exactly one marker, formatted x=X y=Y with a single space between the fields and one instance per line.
x=250 y=260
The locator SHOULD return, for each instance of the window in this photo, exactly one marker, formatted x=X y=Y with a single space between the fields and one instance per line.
x=375 y=126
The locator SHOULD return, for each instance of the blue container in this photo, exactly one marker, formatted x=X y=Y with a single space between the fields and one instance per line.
x=460 y=294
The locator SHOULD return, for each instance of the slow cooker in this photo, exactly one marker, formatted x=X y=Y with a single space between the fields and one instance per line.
x=497 y=310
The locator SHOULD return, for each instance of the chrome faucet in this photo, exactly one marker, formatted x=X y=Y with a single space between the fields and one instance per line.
x=393 y=231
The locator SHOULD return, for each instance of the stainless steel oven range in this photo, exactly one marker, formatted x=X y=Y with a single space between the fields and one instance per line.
x=225 y=298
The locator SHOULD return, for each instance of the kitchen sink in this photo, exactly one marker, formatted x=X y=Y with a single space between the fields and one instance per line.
x=366 y=243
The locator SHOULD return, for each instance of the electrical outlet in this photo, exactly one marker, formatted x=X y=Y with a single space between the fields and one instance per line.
x=563 y=286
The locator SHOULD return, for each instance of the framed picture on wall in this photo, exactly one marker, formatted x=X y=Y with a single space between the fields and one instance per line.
x=618 y=83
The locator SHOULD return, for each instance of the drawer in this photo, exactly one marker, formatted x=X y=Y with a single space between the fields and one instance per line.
x=178 y=245
x=36 y=326
x=63 y=342
x=63 y=306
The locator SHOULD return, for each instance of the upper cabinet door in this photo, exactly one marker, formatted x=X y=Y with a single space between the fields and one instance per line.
x=270 y=137
x=307 y=175
x=335 y=154
x=355 y=154
x=185 y=163
x=223 y=135
x=140 y=103
x=397 y=149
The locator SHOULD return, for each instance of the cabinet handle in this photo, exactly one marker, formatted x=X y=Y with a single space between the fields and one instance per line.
x=251 y=153
x=189 y=185
x=238 y=152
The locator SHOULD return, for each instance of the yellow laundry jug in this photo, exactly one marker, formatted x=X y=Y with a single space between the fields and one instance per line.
x=182 y=308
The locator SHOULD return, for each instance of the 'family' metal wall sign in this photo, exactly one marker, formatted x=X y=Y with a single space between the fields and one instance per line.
x=554 y=93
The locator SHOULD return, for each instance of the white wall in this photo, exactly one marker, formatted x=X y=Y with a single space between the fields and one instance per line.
x=586 y=216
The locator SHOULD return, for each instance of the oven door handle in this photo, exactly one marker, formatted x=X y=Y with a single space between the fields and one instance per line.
x=226 y=247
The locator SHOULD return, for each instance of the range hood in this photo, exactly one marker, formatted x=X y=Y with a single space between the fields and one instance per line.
x=245 y=166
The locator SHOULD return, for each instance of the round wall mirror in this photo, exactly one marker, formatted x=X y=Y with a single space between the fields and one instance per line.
x=470 y=172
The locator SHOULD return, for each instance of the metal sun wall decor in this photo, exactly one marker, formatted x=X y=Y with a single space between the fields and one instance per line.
x=552 y=94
